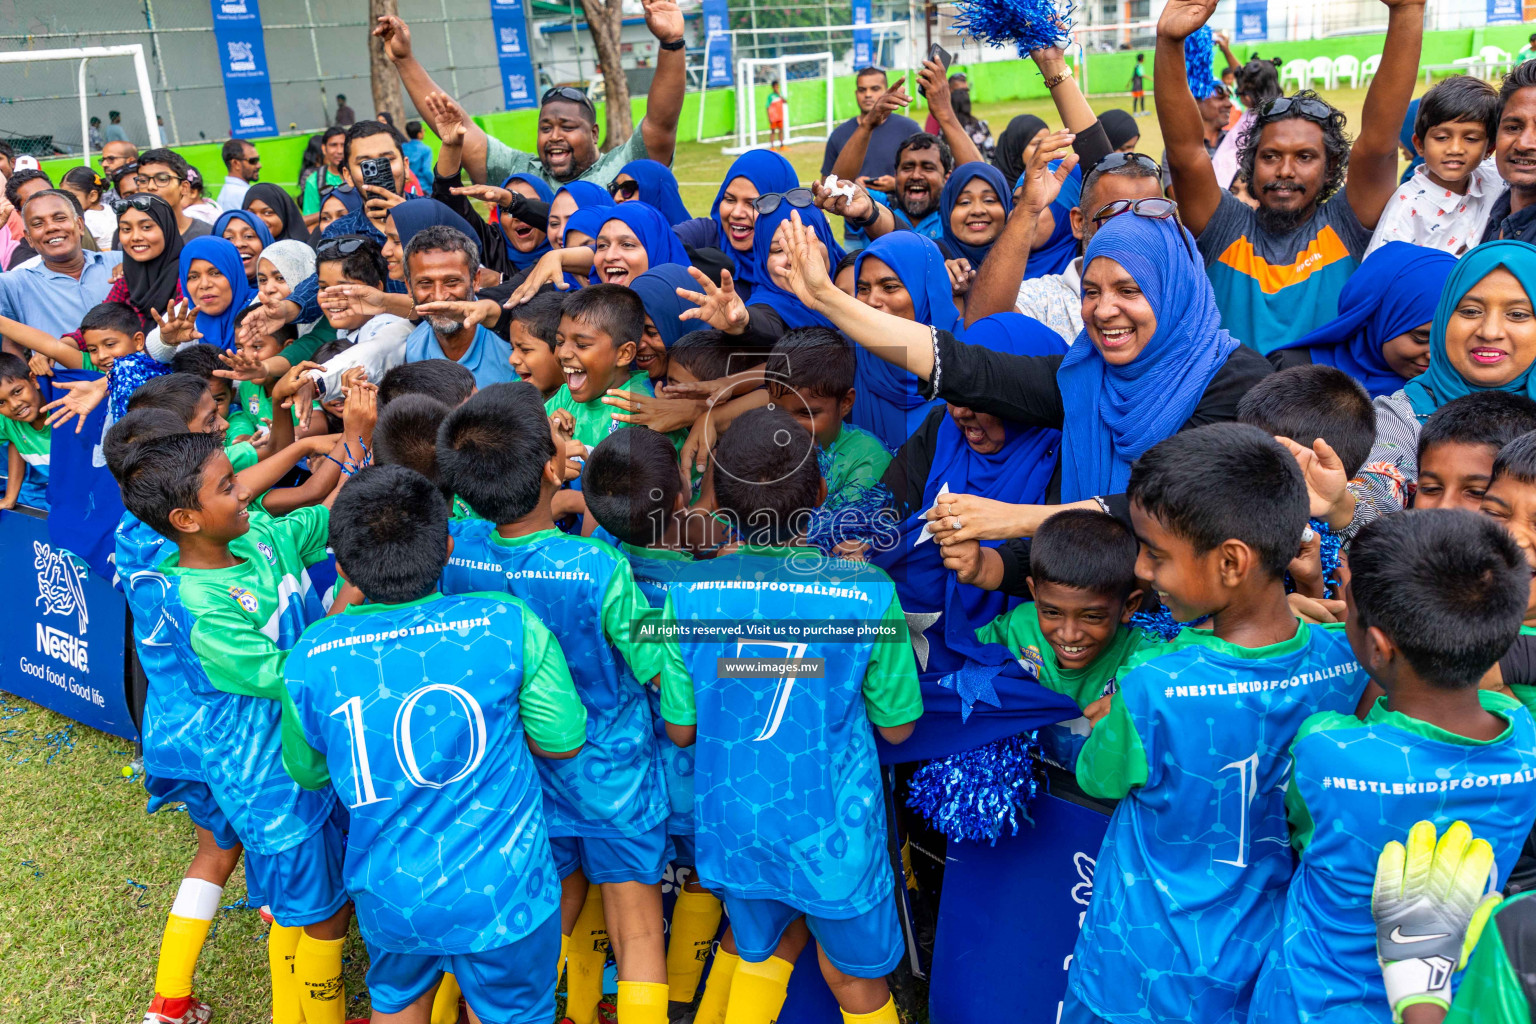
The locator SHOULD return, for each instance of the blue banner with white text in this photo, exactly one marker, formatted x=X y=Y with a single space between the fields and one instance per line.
x=243 y=63
x=1505 y=12
x=518 y=85
x=717 y=43
x=863 y=39
x=1252 y=21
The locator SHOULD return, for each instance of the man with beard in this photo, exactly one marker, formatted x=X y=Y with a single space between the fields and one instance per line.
x=567 y=140
x=923 y=163
x=1277 y=271
x=440 y=266
x=1514 y=213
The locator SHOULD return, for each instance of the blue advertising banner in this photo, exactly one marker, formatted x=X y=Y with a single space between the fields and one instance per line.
x=511 y=28
x=1505 y=12
x=243 y=61
x=863 y=39
x=717 y=43
x=1253 y=20
x=62 y=629
x=86 y=503
x=1010 y=914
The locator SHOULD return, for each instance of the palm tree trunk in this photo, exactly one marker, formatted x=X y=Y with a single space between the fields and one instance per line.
x=386 y=83
x=606 y=18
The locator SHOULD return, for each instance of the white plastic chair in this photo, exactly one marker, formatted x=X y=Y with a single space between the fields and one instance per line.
x=1495 y=59
x=1297 y=71
x=1347 y=69
x=1368 y=68
x=1475 y=65
x=1321 y=69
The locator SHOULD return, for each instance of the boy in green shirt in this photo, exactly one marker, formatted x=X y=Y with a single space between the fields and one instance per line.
x=24 y=429
x=811 y=373
x=599 y=335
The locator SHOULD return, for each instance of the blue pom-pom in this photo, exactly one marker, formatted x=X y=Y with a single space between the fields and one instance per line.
x=1029 y=24
x=1198 y=59
x=979 y=795
x=125 y=377
x=1160 y=624
x=1331 y=550
x=853 y=513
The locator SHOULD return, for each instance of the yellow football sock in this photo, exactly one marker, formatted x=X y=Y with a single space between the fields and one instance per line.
x=717 y=992
x=758 y=991
x=695 y=919
x=186 y=928
x=281 y=943
x=445 y=1005
x=885 y=1015
x=642 y=1002
x=565 y=945
x=317 y=969
x=585 y=960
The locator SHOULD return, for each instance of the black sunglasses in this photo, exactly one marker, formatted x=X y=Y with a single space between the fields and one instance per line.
x=1306 y=106
x=1153 y=209
x=344 y=246
x=566 y=92
x=627 y=190
x=1118 y=159
x=800 y=198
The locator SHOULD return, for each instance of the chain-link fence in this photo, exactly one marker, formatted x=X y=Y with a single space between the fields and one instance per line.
x=316 y=50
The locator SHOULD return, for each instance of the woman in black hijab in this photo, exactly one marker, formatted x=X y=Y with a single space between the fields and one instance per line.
x=1009 y=157
x=1121 y=128
x=278 y=210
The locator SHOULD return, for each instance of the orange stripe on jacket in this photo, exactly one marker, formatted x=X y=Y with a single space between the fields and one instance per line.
x=1326 y=249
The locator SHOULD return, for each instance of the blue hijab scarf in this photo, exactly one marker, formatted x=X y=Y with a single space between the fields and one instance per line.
x=256 y=224
x=974 y=693
x=218 y=330
x=419 y=214
x=658 y=186
x=962 y=176
x=1393 y=291
x=1115 y=413
x=1405 y=139
x=769 y=292
x=524 y=260
x=657 y=237
x=1441 y=383
x=768 y=172
x=657 y=289
x=889 y=404
x=1061 y=248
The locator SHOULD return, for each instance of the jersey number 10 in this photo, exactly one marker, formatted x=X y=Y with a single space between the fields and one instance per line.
x=405 y=753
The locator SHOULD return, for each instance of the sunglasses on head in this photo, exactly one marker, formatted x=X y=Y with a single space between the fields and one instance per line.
x=566 y=92
x=1306 y=106
x=1153 y=209
x=800 y=198
x=141 y=203
x=1118 y=159
x=624 y=191
x=334 y=247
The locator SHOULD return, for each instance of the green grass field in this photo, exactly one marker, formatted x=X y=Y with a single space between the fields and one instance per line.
x=86 y=878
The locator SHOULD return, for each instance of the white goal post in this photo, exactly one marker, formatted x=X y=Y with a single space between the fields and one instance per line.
x=746 y=100
x=85 y=54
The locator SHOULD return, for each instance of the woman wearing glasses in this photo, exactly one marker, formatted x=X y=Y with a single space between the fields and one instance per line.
x=1152 y=360
x=650 y=182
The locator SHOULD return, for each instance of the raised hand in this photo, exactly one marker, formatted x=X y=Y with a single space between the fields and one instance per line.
x=356 y=299
x=806 y=274
x=495 y=196
x=379 y=202
x=1183 y=18
x=720 y=307
x=470 y=312
x=241 y=366
x=83 y=397
x=935 y=87
x=395 y=34
x=1041 y=184
x=889 y=102
x=549 y=270
x=960 y=275
x=1323 y=470
x=267 y=318
x=361 y=410
x=444 y=112
x=179 y=324
x=665 y=20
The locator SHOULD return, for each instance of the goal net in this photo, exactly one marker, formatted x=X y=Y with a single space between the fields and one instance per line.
x=47 y=94
x=804 y=84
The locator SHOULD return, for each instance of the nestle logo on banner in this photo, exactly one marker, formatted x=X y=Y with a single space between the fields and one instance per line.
x=241 y=57
x=61 y=591
x=518 y=84
x=233 y=7
x=511 y=41
x=249 y=110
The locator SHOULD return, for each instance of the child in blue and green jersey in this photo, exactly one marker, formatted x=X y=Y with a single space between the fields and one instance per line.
x=599 y=335
x=174 y=718
x=811 y=374
x=188 y=396
x=202 y=360
x=1434 y=598
x=236 y=598
x=534 y=330
x=790 y=811
x=634 y=492
x=25 y=433
x=1195 y=742
x=607 y=807
x=447 y=856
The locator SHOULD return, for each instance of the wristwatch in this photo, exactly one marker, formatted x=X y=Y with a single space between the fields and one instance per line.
x=676 y=44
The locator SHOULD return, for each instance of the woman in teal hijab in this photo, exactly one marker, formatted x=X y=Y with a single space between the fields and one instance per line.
x=1483 y=338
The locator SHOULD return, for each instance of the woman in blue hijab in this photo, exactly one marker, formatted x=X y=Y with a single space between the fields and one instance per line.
x=657 y=289
x=338 y=202
x=730 y=226
x=248 y=233
x=569 y=198
x=1381 y=335
x=973 y=209
x=1052 y=254
x=213 y=279
x=901 y=273
x=654 y=184
x=786 y=307
x=1482 y=338
x=634 y=238
x=525 y=243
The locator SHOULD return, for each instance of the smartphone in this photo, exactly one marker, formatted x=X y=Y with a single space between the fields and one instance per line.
x=377 y=172
x=943 y=56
